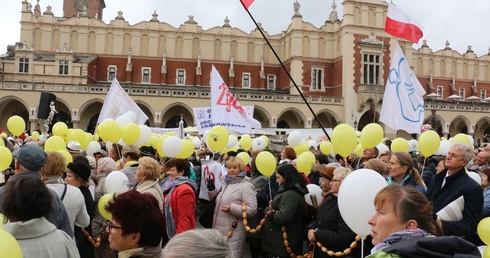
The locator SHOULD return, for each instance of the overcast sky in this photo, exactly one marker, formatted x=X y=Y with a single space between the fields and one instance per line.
x=461 y=22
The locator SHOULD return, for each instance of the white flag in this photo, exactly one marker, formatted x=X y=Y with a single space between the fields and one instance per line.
x=118 y=102
x=226 y=110
x=403 y=103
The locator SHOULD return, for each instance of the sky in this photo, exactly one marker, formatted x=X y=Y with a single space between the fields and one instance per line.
x=461 y=22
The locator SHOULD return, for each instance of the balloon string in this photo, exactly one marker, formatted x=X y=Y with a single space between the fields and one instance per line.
x=358 y=161
x=423 y=167
x=270 y=191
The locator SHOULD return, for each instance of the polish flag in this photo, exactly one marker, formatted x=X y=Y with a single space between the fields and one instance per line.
x=401 y=25
x=246 y=3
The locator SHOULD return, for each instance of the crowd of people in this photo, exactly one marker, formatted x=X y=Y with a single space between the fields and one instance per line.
x=56 y=209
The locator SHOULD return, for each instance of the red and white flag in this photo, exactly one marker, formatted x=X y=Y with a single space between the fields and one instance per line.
x=246 y=3
x=399 y=24
x=225 y=109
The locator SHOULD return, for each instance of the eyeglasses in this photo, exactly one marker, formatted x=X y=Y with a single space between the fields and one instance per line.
x=111 y=226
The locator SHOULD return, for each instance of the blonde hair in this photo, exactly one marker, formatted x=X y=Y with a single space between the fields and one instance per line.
x=149 y=167
x=234 y=161
x=342 y=172
x=55 y=165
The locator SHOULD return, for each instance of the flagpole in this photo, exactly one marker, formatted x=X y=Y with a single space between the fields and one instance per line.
x=286 y=70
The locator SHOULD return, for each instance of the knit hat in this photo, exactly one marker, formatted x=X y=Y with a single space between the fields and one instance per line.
x=31 y=157
x=376 y=165
x=81 y=169
x=107 y=165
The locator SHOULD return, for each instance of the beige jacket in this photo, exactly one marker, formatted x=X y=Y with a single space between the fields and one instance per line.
x=152 y=187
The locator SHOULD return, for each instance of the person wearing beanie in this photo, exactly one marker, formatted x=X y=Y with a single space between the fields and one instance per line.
x=29 y=160
x=78 y=175
x=130 y=156
x=104 y=167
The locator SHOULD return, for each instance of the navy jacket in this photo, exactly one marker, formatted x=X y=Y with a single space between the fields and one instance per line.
x=459 y=184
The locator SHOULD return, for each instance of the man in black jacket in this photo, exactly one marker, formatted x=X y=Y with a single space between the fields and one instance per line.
x=452 y=183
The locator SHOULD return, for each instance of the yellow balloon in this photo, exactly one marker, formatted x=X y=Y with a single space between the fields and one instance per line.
x=244 y=157
x=9 y=246
x=131 y=133
x=399 y=144
x=483 y=230
x=462 y=138
x=486 y=252
x=35 y=135
x=300 y=148
x=305 y=161
x=246 y=142
x=344 y=139
x=54 y=143
x=60 y=129
x=266 y=163
x=326 y=147
x=429 y=143
x=112 y=131
x=187 y=149
x=3 y=135
x=159 y=144
x=16 y=125
x=359 y=150
x=266 y=139
x=100 y=130
x=103 y=201
x=1 y=220
x=2 y=143
x=152 y=141
x=5 y=158
x=371 y=135
x=86 y=140
x=67 y=155
x=217 y=138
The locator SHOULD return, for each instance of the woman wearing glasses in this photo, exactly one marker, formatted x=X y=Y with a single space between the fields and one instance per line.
x=329 y=228
x=136 y=227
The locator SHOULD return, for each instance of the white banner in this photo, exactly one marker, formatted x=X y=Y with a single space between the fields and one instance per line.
x=403 y=102
x=117 y=103
x=214 y=170
x=203 y=119
x=226 y=109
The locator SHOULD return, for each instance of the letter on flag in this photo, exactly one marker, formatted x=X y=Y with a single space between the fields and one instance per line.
x=403 y=103
x=225 y=109
x=117 y=103
x=246 y=3
x=401 y=25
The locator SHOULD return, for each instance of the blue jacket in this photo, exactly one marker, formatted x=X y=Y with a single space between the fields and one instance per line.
x=486 y=203
x=457 y=185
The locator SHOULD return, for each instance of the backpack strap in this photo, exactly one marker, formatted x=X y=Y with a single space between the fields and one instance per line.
x=64 y=192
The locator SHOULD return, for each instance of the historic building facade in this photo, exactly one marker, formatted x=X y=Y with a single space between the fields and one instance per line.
x=340 y=68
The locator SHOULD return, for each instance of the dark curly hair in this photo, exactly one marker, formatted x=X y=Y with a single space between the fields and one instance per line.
x=180 y=165
x=138 y=213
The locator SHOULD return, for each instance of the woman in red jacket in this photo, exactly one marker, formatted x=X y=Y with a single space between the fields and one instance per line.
x=179 y=199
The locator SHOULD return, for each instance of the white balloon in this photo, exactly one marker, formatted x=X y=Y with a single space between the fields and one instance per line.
x=312 y=143
x=475 y=177
x=232 y=141
x=116 y=182
x=197 y=142
x=92 y=147
x=294 y=138
x=258 y=144
x=145 y=135
x=412 y=145
x=382 y=148
x=481 y=248
x=123 y=120
x=444 y=147
x=172 y=146
x=356 y=199
x=132 y=116
x=472 y=141
x=313 y=190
